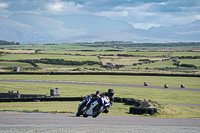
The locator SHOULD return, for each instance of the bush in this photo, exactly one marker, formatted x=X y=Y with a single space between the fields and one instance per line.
x=188 y=65
x=29 y=61
x=145 y=60
x=59 y=62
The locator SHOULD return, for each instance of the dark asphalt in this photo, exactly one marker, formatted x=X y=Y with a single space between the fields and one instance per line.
x=68 y=123
x=100 y=84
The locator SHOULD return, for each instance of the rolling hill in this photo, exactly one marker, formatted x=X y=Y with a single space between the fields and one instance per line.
x=32 y=28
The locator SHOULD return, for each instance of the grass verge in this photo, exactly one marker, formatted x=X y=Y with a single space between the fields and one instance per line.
x=190 y=82
x=118 y=109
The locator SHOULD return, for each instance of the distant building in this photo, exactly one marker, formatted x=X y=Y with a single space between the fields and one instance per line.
x=55 y=92
x=16 y=69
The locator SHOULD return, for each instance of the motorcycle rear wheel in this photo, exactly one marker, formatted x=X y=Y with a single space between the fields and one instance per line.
x=85 y=116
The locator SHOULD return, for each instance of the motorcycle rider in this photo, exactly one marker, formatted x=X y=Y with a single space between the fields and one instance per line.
x=182 y=86
x=165 y=86
x=94 y=98
x=98 y=94
x=110 y=94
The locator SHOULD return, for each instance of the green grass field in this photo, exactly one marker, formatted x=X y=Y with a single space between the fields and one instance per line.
x=185 y=53
x=164 y=96
x=162 y=64
x=99 y=47
x=72 y=52
x=92 y=56
x=118 y=109
x=18 y=64
x=191 y=61
x=190 y=82
x=67 y=90
x=39 y=56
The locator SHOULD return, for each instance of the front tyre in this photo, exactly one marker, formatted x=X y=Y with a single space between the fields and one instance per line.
x=81 y=110
x=97 y=111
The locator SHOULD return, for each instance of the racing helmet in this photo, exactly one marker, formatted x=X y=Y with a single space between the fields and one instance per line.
x=98 y=93
x=110 y=92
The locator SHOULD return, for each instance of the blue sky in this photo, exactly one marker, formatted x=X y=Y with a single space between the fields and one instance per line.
x=140 y=13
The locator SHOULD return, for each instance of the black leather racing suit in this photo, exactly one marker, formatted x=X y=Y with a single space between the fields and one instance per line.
x=111 y=101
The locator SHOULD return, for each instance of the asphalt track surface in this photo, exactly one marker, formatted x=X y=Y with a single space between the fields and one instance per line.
x=99 y=84
x=69 y=123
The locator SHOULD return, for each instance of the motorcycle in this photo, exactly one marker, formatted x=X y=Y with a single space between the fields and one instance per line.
x=145 y=84
x=97 y=107
x=182 y=86
x=165 y=86
x=82 y=106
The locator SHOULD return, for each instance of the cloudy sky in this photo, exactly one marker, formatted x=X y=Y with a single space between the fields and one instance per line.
x=140 y=13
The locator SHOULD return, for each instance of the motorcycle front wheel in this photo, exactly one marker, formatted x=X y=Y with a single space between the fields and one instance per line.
x=97 y=111
x=81 y=110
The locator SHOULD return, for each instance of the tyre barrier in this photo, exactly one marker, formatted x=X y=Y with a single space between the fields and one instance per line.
x=128 y=101
x=18 y=95
x=29 y=98
x=43 y=99
x=140 y=111
x=118 y=99
x=100 y=73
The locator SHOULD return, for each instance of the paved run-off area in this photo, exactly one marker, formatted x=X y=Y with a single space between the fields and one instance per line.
x=69 y=123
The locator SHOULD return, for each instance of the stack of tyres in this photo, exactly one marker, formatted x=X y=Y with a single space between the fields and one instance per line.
x=134 y=110
x=143 y=111
x=119 y=100
x=137 y=103
x=155 y=110
x=130 y=101
x=140 y=111
x=151 y=111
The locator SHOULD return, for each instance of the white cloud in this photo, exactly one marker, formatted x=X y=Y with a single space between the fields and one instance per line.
x=4 y=9
x=136 y=12
x=138 y=16
x=3 y=5
x=147 y=15
x=162 y=3
x=197 y=17
x=59 y=7
x=142 y=14
x=112 y=14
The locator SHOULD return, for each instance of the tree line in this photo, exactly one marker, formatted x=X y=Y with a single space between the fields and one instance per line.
x=59 y=62
x=8 y=43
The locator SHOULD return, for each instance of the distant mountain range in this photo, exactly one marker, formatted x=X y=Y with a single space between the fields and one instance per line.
x=30 y=28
